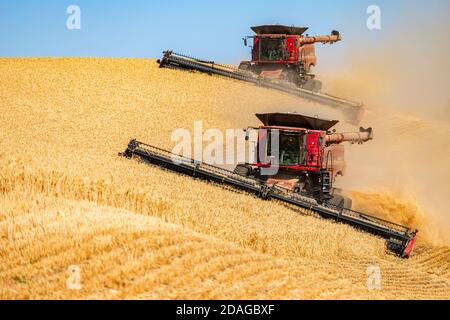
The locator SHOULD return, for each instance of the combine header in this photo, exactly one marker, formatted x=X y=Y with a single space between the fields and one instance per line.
x=282 y=59
x=308 y=160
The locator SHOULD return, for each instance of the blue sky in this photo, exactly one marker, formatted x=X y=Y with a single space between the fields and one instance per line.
x=210 y=29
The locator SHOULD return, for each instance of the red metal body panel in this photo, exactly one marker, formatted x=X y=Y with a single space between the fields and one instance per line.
x=333 y=158
x=308 y=56
x=262 y=145
x=292 y=48
x=314 y=150
x=409 y=248
x=255 y=51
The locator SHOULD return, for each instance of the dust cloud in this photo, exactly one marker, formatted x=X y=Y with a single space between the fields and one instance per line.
x=404 y=173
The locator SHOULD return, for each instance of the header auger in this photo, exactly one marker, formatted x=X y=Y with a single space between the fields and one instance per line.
x=309 y=159
x=282 y=59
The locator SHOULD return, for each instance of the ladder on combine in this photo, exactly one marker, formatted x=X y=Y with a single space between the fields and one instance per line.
x=400 y=239
x=352 y=110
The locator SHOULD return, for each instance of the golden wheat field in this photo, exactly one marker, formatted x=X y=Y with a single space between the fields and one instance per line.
x=137 y=231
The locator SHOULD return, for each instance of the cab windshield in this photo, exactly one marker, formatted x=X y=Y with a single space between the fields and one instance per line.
x=291 y=151
x=271 y=49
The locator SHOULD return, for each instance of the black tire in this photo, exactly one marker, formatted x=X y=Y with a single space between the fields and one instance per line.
x=243 y=170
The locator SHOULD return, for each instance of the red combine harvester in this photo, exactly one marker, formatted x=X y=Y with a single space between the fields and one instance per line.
x=298 y=170
x=282 y=52
x=308 y=156
x=282 y=58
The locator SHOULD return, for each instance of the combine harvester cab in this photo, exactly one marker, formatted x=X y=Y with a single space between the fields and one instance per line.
x=304 y=175
x=282 y=52
x=282 y=59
